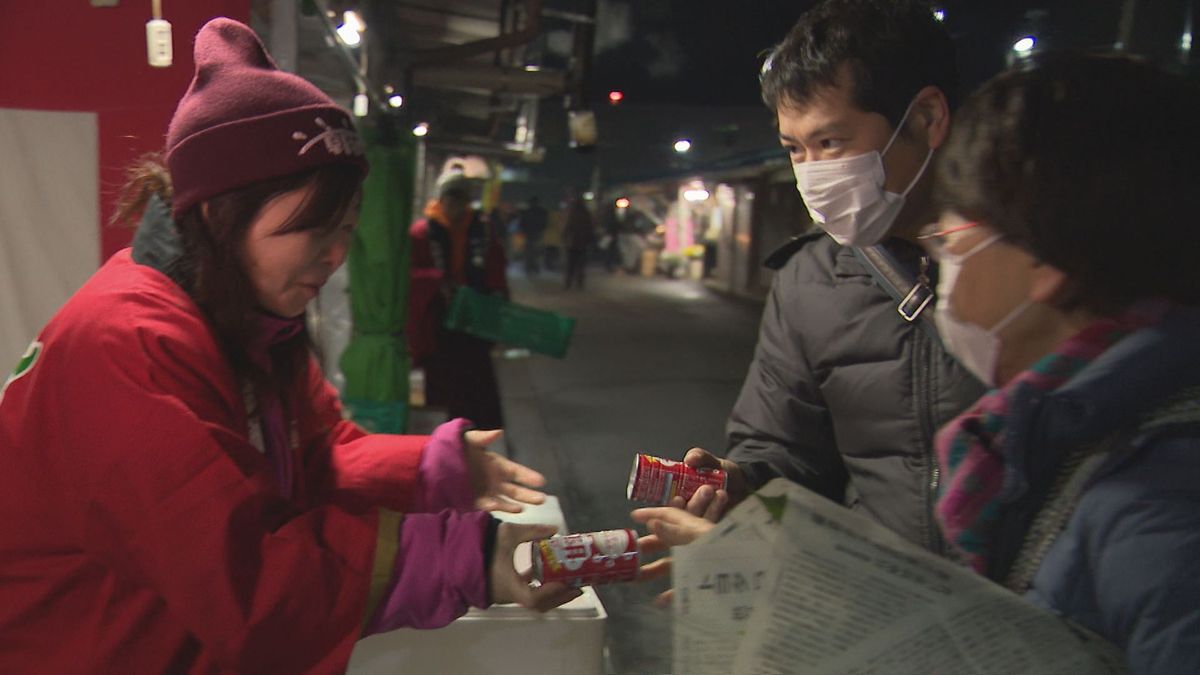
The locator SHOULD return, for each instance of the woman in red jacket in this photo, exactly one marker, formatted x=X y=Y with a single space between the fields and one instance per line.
x=178 y=488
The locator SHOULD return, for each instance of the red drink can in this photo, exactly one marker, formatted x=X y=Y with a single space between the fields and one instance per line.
x=587 y=559
x=655 y=480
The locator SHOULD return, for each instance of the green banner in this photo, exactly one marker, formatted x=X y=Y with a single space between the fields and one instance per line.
x=375 y=361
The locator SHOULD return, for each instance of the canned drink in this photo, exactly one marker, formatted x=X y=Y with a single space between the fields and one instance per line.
x=587 y=559
x=655 y=480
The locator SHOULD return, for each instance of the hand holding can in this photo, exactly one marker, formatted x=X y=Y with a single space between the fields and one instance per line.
x=587 y=559
x=656 y=481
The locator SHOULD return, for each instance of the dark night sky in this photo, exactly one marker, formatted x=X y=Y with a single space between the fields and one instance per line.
x=706 y=52
x=682 y=64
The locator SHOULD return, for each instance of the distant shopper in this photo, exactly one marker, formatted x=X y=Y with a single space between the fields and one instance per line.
x=610 y=242
x=498 y=220
x=579 y=233
x=179 y=492
x=453 y=247
x=552 y=253
x=532 y=224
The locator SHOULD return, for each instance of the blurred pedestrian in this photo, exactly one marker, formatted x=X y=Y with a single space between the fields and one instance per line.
x=552 y=251
x=609 y=242
x=578 y=235
x=532 y=223
x=498 y=220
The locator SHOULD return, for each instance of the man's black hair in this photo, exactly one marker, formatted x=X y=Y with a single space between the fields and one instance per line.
x=893 y=48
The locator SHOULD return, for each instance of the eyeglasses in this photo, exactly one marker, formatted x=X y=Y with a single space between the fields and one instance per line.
x=935 y=240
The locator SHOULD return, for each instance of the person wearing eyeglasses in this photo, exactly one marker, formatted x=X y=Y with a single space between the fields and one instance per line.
x=1068 y=192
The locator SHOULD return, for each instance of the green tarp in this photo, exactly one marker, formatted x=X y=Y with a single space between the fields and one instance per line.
x=375 y=362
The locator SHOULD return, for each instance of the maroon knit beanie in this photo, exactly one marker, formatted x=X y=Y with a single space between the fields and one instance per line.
x=243 y=121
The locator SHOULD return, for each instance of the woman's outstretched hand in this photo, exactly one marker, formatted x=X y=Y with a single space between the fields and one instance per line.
x=500 y=484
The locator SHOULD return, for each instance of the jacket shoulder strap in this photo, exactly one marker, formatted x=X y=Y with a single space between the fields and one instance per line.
x=911 y=293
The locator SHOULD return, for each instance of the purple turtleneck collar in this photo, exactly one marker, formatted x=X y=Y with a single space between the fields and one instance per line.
x=273 y=330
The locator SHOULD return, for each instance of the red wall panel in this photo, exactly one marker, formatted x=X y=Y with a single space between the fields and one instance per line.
x=67 y=55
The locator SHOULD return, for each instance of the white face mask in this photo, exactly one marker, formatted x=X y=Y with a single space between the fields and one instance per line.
x=976 y=348
x=845 y=197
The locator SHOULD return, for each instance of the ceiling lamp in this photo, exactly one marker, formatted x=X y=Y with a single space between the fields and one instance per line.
x=351 y=29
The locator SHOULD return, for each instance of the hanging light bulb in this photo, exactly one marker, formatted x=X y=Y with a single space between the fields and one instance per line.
x=351 y=29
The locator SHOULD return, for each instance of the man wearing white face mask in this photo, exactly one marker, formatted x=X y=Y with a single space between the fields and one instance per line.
x=849 y=380
x=847 y=196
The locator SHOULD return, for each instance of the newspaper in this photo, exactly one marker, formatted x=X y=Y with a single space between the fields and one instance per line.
x=790 y=582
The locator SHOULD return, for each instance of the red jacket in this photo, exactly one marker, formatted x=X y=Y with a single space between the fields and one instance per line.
x=141 y=532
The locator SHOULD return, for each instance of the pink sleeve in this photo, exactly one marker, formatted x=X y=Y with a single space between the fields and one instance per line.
x=445 y=479
x=440 y=570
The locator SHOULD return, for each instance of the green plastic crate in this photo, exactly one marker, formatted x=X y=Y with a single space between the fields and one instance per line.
x=493 y=318
x=378 y=417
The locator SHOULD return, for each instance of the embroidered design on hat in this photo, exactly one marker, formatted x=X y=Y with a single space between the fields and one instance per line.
x=338 y=141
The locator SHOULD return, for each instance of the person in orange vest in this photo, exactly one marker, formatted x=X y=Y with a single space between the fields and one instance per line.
x=453 y=247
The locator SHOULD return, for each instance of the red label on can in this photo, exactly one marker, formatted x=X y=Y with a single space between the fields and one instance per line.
x=655 y=480
x=587 y=559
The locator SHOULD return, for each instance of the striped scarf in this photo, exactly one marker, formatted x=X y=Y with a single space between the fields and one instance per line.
x=970 y=447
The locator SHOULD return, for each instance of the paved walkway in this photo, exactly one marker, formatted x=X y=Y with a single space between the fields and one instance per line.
x=654 y=366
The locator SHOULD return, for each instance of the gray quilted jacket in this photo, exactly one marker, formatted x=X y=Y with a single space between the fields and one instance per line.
x=843 y=395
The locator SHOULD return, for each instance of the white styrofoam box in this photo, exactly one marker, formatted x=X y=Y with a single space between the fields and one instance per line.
x=548 y=512
x=500 y=640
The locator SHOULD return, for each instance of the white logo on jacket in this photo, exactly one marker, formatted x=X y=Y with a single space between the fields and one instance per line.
x=28 y=359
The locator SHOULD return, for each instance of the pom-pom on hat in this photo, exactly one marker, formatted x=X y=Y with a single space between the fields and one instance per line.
x=243 y=120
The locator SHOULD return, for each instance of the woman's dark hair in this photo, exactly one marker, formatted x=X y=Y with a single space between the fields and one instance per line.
x=893 y=49
x=1089 y=162
x=210 y=267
